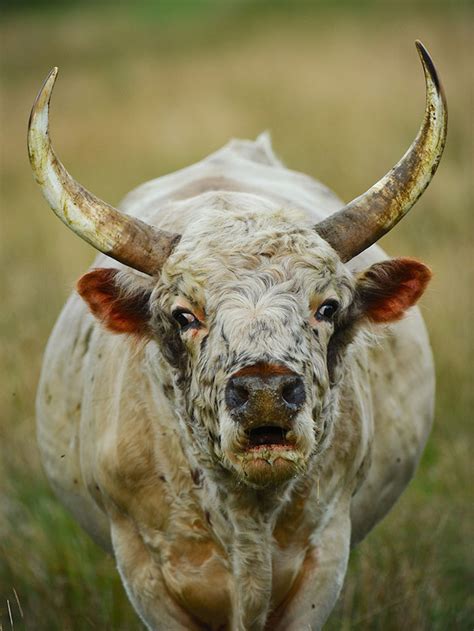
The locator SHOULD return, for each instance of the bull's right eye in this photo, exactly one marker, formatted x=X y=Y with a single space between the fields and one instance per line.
x=185 y=319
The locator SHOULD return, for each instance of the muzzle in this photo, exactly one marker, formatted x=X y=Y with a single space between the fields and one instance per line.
x=264 y=396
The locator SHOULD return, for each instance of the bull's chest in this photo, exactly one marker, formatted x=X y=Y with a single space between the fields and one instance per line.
x=199 y=573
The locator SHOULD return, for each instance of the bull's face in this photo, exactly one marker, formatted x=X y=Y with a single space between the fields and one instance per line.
x=252 y=314
x=255 y=300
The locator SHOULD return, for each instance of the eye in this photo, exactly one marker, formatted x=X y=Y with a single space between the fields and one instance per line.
x=185 y=319
x=327 y=311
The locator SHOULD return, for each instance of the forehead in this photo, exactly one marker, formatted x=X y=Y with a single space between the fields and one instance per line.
x=237 y=242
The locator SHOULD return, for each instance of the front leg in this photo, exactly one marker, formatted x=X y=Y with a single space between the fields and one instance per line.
x=143 y=581
x=321 y=579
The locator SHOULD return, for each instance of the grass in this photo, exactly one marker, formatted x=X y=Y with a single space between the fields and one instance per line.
x=144 y=93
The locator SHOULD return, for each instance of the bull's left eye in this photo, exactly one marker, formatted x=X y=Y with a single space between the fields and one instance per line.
x=327 y=311
x=185 y=319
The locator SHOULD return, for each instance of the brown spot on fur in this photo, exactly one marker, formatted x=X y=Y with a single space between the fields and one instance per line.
x=87 y=339
x=200 y=581
x=262 y=369
x=191 y=551
x=196 y=476
x=290 y=526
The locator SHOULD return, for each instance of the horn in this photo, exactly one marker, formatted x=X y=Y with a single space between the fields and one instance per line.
x=367 y=218
x=124 y=238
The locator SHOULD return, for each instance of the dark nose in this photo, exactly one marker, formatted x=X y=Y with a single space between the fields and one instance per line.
x=264 y=398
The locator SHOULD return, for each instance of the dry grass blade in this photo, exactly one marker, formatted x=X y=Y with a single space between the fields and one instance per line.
x=10 y=613
x=18 y=603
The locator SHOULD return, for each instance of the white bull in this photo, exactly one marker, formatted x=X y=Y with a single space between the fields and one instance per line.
x=253 y=417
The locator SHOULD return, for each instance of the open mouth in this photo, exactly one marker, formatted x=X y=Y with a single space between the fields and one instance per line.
x=268 y=436
x=269 y=454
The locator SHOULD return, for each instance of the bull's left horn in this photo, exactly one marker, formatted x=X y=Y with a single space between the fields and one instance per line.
x=368 y=217
x=124 y=238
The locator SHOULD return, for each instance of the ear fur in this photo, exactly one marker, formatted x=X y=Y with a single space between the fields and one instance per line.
x=387 y=289
x=121 y=308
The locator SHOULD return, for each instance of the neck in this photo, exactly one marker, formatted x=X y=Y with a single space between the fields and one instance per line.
x=252 y=515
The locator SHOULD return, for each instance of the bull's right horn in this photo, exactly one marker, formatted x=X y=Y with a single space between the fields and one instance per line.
x=367 y=218
x=124 y=238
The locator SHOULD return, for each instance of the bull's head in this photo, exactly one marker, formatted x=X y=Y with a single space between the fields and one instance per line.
x=251 y=309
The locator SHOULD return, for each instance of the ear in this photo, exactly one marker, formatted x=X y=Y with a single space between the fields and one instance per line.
x=121 y=305
x=387 y=289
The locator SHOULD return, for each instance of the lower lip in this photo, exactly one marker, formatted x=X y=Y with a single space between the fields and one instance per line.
x=270 y=447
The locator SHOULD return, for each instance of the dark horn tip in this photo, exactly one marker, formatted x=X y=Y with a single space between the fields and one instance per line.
x=428 y=63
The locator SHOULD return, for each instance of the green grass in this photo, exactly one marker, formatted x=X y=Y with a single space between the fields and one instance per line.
x=147 y=91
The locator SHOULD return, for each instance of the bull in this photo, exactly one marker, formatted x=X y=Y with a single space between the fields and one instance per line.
x=240 y=398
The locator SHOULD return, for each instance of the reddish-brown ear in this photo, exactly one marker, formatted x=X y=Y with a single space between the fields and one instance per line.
x=120 y=310
x=387 y=289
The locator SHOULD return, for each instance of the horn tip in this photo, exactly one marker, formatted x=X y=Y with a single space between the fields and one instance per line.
x=44 y=95
x=419 y=44
x=50 y=81
x=428 y=64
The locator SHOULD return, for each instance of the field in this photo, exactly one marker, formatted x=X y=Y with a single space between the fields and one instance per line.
x=147 y=90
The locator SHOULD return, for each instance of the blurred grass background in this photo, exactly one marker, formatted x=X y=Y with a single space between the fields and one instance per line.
x=149 y=87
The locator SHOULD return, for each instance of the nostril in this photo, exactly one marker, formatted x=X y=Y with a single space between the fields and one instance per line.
x=293 y=392
x=236 y=396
